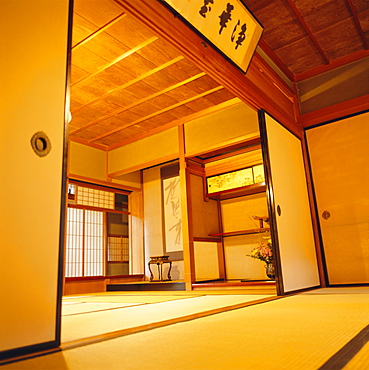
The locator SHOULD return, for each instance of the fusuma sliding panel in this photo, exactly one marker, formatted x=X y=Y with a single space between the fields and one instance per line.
x=33 y=67
x=289 y=207
x=339 y=154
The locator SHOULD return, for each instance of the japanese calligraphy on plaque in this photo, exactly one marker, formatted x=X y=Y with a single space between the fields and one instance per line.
x=227 y=24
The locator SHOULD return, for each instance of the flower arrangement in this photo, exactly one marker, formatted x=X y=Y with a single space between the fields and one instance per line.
x=263 y=251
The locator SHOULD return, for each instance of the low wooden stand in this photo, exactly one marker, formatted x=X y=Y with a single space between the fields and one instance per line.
x=160 y=261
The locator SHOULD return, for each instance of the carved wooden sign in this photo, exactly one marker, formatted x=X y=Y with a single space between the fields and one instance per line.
x=227 y=24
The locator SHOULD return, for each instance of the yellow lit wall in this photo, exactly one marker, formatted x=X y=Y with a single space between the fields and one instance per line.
x=144 y=152
x=86 y=161
x=220 y=128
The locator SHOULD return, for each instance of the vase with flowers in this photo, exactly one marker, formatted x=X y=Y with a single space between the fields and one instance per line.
x=264 y=252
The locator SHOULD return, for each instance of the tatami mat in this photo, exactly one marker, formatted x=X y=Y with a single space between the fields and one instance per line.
x=81 y=307
x=340 y=290
x=300 y=332
x=360 y=361
x=76 y=327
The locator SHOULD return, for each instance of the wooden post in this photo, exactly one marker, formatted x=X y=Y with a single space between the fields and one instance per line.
x=187 y=229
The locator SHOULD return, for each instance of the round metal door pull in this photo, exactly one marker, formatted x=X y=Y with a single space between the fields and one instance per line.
x=326 y=215
x=41 y=144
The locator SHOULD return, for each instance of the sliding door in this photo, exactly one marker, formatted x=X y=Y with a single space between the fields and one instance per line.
x=289 y=208
x=339 y=154
x=33 y=67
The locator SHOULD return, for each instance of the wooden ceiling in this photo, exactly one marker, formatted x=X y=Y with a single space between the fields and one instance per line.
x=309 y=34
x=127 y=83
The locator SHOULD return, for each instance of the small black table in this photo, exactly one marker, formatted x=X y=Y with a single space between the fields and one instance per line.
x=160 y=261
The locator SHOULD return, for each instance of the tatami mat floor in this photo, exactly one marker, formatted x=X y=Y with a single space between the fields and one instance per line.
x=121 y=313
x=320 y=329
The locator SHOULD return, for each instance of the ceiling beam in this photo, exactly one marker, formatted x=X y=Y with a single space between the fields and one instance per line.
x=121 y=110
x=335 y=64
x=116 y=60
x=275 y=59
x=130 y=83
x=358 y=25
x=184 y=102
x=98 y=31
x=307 y=30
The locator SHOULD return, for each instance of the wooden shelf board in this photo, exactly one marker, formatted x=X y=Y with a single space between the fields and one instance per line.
x=243 y=232
x=239 y=192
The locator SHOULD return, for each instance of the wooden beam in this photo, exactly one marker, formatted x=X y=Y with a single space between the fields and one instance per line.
x=77 y=179
x=154 y=162
x=358 y=25
x=335 y=111
x=98 y=31
x=131 y=82
x=266 y=69
x=121 y=110
x=335 y=64
x=275 y=59
x=186 y=212
x=307 y=30
x=157 y=113
x=253 y=89
x=116 y=60
x=85 y=142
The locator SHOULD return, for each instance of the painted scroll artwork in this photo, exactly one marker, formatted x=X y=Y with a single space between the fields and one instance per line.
x=172 y=214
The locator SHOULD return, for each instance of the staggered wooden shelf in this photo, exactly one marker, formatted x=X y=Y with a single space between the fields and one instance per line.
x=239 y=192
x=243 y=232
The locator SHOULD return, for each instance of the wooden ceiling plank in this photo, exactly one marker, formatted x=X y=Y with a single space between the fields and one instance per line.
x=159 y=112
x=358 y=25
x=116 y=60
x=82 y=28
x=118 y=111
x=307 y=29
x=97 y=12
x=98 y=31
x=135 y=80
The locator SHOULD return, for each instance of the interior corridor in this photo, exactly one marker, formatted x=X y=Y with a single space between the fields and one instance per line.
x=232 y=329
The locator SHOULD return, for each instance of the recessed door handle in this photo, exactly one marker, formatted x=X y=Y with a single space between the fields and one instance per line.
x=326 y=215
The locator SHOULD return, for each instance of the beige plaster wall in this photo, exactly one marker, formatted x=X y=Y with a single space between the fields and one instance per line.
x=143 y=153
x=225 y=126
x=87 y=161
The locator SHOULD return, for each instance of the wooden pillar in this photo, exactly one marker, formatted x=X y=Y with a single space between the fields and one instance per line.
x=136 y=255
x=187 y=230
